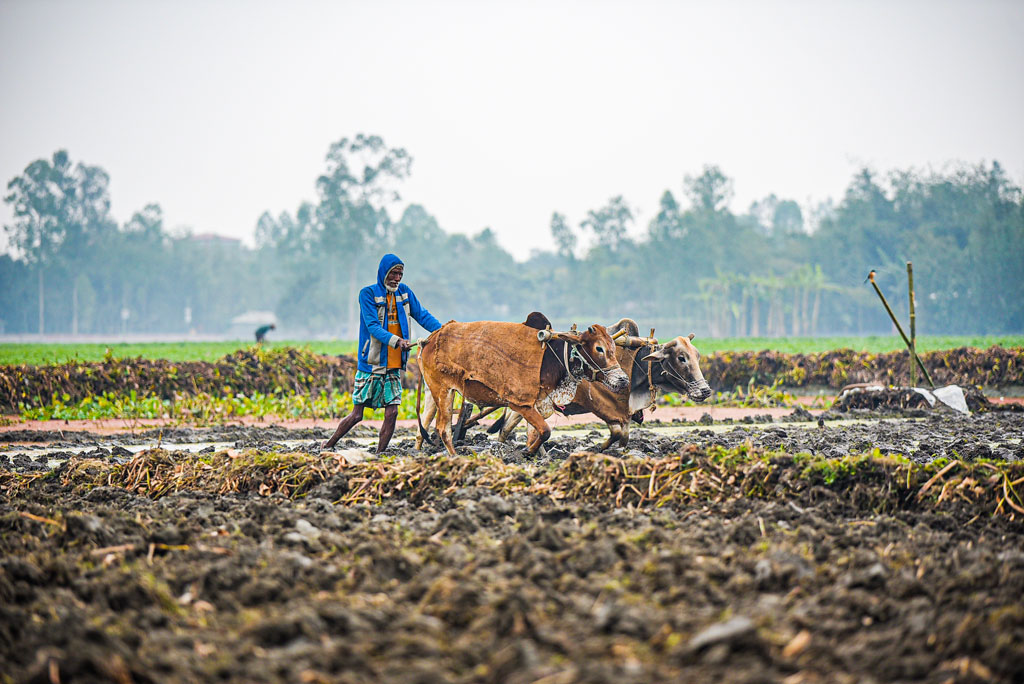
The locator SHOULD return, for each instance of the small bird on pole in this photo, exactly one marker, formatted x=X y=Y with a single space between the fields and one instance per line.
x=871 y=276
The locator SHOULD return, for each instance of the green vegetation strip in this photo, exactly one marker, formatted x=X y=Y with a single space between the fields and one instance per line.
x=207 y=409
x=867 y=482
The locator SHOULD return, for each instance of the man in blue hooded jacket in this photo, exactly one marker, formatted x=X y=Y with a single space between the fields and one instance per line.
x=384 y=312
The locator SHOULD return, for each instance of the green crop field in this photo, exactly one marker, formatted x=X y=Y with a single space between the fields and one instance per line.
x=38 y=354
x=210 y=351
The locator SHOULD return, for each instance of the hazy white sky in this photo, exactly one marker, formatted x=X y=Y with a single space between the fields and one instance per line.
x=221 y=109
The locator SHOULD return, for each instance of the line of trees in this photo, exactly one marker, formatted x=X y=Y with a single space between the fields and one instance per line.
x=699 y=267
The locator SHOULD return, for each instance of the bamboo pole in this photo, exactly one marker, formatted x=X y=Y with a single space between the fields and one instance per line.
x=913 y=324
x=915 y=357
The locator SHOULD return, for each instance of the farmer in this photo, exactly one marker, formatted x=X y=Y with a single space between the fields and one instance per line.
x=261 y=332
x=384 y=310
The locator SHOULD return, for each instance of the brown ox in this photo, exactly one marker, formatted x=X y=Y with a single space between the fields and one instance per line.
x=672 y=367
x=504 y=364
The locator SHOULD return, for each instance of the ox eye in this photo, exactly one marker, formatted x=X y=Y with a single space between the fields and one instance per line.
x=600 y=350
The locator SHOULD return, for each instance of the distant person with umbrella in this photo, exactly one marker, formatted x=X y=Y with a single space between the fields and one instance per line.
x=261 y=332
x=384 y=311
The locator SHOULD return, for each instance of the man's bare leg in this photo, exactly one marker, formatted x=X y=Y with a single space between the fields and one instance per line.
x=388 y=427
x=346 y=424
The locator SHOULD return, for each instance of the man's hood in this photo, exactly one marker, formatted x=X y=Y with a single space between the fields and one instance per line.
x=387 y=262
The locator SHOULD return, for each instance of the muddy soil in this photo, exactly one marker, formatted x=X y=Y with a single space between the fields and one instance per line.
x=467 y=585
x=920 y=435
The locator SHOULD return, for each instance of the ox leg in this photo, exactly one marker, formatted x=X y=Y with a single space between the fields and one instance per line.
x=511 y=421
x=542 y=433
x=426 y=418
x=444 y=421
x=614 y=434
x=618 y=433
x=542 y=451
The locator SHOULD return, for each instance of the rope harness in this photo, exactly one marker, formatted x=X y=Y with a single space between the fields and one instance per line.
x=572 y=353
x=573 y=356
x=691 y=386
x=650 y=386
x=651 y=389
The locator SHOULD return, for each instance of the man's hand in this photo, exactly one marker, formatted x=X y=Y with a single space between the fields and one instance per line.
x=405 y=344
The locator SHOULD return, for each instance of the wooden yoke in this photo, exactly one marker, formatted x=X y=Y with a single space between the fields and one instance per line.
x=634 y=342
x=548 y=335
x=630 y=341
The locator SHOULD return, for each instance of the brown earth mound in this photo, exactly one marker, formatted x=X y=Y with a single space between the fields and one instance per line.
x=969 y=367
x=908 y=398
x=245 y=371
x=256 y=370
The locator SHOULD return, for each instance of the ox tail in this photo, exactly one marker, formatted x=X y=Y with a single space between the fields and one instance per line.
x=498 y=424
x=426 y=436
x=461 y=428
x=419 y=388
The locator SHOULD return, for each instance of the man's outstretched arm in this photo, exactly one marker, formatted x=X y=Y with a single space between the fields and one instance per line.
x=421 y=315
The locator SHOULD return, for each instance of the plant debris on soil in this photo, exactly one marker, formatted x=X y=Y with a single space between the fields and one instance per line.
x=882 y=549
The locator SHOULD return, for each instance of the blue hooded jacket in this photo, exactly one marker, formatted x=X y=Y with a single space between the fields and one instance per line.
x=374 y=338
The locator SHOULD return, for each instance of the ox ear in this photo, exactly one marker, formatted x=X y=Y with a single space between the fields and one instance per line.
x=591 y=330
x=659 y=354
x=537 y=320
x=690 y=336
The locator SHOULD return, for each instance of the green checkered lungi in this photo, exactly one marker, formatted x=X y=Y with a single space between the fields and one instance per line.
x=376 y=390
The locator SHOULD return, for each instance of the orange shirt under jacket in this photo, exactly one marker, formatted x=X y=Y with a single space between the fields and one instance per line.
x=394 y=354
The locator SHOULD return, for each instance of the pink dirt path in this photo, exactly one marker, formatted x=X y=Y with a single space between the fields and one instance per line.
x=662 y=413
x=111 y=426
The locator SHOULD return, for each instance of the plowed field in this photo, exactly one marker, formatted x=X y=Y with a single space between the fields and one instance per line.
x=759 y=551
